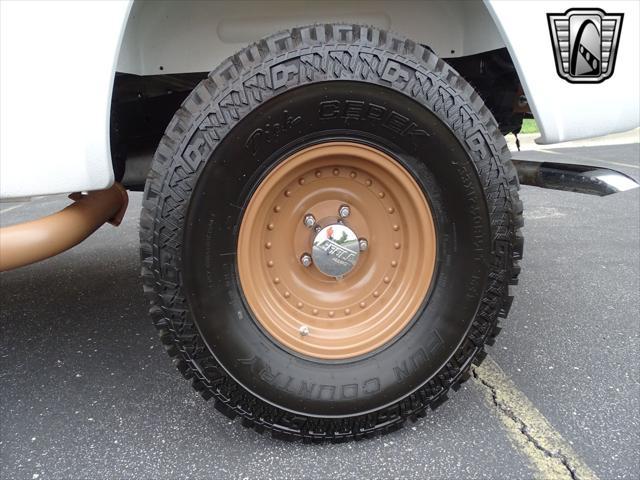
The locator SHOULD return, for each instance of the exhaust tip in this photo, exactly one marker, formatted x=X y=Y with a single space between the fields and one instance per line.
x=30 y=242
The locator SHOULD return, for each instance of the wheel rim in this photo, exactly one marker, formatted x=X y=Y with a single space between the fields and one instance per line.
x=314 y=310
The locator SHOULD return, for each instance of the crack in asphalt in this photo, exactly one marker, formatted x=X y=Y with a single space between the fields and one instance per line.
x=543 y=438
x=524 y=429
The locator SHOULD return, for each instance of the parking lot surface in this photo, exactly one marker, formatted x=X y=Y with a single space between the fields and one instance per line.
x=86 y=390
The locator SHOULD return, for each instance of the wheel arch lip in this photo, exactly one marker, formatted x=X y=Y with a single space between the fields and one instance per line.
x=157 y=35
x=71 y=153
x=557 y=105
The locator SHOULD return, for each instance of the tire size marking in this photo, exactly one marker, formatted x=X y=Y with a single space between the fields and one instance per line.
x=211 y=276
x=478 y=230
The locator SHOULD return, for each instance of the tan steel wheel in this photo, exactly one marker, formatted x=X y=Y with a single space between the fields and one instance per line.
x=332 y=316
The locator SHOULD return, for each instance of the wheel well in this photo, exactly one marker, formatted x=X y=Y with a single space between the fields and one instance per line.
x=155 y=73
x=181 y=37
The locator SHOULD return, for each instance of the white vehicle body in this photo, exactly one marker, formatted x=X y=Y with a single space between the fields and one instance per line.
x=59 y=59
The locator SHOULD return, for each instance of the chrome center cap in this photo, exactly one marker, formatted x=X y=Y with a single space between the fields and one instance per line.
x=335 y=250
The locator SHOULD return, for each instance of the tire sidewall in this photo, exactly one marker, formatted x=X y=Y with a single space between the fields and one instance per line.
x=454 y=190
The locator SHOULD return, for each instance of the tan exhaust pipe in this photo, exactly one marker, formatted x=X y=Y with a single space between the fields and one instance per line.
x=31 y=242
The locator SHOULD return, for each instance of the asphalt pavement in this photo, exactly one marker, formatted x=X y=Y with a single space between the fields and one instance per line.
x=86 y=390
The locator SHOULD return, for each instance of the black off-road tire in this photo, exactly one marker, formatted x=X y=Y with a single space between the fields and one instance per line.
x=213 y=114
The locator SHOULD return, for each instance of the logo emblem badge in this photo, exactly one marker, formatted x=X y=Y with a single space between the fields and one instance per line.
x=335 y=250
x=585 y=43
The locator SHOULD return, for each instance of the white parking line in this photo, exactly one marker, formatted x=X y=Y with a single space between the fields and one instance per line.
x=8 y=209
x=531 y=433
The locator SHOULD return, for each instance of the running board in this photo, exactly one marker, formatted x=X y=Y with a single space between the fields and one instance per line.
x=573 y=178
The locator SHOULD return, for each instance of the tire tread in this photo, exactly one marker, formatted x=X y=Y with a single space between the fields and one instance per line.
x=164 y=209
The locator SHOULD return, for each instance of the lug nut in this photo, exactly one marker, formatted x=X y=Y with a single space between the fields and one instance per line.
x=363 y=243
x=306 y=260
x=309 y=220
x=344 y=211
x=304 y=330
